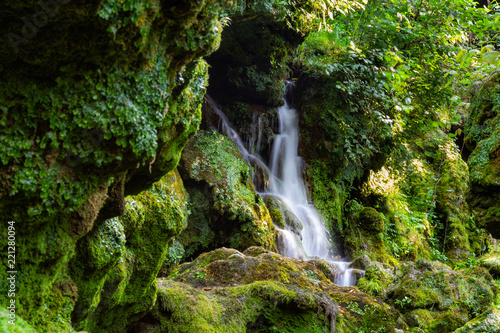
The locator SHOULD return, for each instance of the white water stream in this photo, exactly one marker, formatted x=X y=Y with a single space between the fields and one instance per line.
x=286 y=184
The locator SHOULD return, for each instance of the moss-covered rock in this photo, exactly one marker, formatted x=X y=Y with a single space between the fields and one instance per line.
x=362 y=262
x=226 y=210
x=377 y=280
x=282 y=216
x=483 y=139
x=450 y=298
x=116 y=264
x=364 y=234
x=491 y=262
x=371 y=220
x=94 y=95
x=451 y=207
x=422 y=198
x=488 y=322
x=260 y=291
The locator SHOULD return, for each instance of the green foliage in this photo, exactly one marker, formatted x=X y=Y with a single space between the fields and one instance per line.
x=417 y=53
x=354 y=307
x=471 y=261
x=175 y=253
x=310 y=274
x=122 y=13
x=88 y=121
x=299 y=15
x=404 y=302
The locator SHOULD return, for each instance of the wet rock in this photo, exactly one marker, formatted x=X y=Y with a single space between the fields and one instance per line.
x=282 y=216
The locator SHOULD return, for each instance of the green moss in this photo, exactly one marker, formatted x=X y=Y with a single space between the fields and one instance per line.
x=483 y=138
x=238 y=309
x=377 y=280
x=485 y=323
x=117 y=98
x=13 y=325
x=282 y=215
x=371 y=220
x=226 y=211
x=422 y=194
x=117 y=263
x=228 y=291
x=492 y=263
x=449 y=298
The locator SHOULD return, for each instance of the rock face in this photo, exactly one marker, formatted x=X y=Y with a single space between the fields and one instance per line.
x=257 y=291
x=225 y=209
x=482 y=138
x=116 y=264
x=98 y=99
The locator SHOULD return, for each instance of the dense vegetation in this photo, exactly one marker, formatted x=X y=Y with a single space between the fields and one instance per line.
x=131 y=214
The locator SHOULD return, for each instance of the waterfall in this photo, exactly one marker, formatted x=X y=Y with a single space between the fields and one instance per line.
x=286 y=185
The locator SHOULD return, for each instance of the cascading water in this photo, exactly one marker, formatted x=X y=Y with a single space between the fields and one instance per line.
x=286 y=185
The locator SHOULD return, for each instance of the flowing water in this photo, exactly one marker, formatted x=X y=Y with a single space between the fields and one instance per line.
x=286 y=184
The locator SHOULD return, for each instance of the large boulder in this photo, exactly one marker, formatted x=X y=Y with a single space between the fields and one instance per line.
x=438 y=299
x=491 y=262
x=488 y=322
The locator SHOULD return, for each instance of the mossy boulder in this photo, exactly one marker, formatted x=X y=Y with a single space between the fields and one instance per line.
x=483 y=139
x=488 y=322
x=451 y=297
x=371 y=220
x=116 y=264
x=491 y=262
x=282 y=216
x=377 y=280
x=362 y=262
x=365 y=233
x=258 y=291
x=226 y=210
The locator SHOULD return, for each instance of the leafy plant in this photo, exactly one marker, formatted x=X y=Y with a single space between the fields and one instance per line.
x=404 y=302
